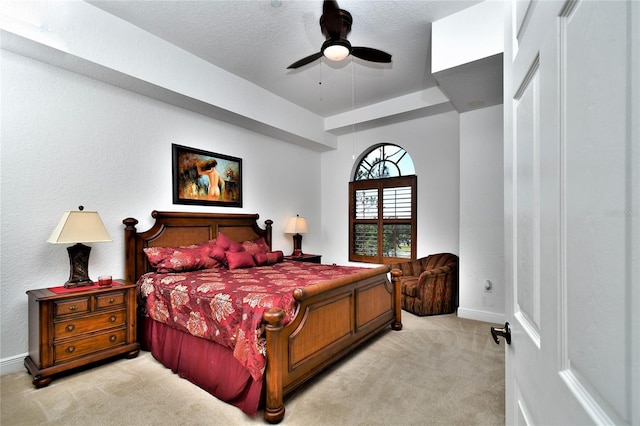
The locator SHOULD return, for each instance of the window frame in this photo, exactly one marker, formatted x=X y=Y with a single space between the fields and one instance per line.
x=380 y=184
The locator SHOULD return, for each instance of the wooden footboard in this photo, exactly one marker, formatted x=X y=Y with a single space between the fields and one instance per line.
x=333 y=318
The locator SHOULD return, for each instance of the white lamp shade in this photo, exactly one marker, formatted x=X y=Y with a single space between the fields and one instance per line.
x=297 y=225
x=79 y=227
x=336 y=52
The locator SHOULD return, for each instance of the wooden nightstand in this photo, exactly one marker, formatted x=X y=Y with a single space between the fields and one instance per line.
x=311 y=258
x=75 y=328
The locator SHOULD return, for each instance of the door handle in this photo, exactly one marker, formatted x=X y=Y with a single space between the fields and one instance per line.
x=504 y=332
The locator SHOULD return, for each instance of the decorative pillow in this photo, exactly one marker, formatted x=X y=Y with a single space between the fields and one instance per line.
x=240 y=259
x=224 y=245
x=270 y=258
x=183 y=258
x=227 y=244
x=255 y=246
x=219 y=254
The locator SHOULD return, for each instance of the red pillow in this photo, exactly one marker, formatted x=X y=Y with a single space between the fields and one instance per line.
x=268 y=258
x=222 y=246
x=227 y=243
x=256 y=246
x=219 y=254
x=240 y=259
x=181 y=259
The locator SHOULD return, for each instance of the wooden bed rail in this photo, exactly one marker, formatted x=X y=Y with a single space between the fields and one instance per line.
x=303 y=293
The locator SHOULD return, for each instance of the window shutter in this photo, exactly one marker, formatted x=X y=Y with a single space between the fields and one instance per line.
x=365 y=240
x=366 y=201
x=396 y=203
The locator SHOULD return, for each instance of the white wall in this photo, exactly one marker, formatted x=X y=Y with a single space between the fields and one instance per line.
x=432 y=143
x=69 y=140
x=481 y=215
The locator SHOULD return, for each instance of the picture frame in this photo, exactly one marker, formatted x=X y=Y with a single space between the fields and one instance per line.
x=206 y=178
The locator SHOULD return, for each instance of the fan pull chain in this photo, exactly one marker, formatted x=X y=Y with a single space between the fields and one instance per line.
x=320 y=84
x=353 y=107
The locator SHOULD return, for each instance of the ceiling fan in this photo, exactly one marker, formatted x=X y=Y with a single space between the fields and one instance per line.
x=335 y=24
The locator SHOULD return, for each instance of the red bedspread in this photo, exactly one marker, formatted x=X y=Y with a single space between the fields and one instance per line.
x=226 y=306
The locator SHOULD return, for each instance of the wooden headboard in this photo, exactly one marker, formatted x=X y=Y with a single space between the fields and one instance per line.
x=172 y=229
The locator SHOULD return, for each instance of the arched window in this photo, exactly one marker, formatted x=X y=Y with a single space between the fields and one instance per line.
x=382 y=207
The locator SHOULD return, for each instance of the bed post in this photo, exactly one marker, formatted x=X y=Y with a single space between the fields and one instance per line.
x=268 y=223
x=130 y=249
x=397 y=307
x=274 y=405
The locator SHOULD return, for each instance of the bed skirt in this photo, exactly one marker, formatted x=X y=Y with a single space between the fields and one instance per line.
x=204 y=363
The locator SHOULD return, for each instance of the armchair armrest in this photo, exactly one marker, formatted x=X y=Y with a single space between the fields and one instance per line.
x=445 y=269
x=428 y=279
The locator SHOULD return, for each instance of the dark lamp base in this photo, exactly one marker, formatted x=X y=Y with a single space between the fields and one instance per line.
x=297 y=245
x=73 y=284
x=79 y=263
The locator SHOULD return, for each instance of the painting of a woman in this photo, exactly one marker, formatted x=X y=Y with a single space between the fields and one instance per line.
x=202 y=177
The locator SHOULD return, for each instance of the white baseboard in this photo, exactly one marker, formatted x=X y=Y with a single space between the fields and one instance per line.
x=12 y=364
x=483 y=316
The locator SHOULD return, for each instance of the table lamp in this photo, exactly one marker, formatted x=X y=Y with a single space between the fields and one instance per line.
x=79 y=227
x=297 y=225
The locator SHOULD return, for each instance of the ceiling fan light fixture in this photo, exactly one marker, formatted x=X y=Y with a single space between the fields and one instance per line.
x=336 y=50
x=335 y=24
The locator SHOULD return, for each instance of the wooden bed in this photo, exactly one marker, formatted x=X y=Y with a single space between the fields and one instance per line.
x=332 y=319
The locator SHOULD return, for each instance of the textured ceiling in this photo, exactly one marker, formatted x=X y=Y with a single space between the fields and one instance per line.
x=258 y=39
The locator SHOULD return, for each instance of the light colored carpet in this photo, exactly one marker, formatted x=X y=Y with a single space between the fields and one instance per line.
x=440 y=370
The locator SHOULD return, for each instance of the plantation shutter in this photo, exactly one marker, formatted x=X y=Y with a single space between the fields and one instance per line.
x=382 y=220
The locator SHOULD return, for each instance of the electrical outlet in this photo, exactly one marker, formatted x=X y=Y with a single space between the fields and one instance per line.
x=488 y=286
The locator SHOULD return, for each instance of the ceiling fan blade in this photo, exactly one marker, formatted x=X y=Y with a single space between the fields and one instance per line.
x=370 y=54
x=305 y=61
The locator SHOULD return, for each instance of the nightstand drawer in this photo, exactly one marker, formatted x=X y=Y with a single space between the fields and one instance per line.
x=109 y=300
x=73 y=306
x=78 y=348
x=73 y=327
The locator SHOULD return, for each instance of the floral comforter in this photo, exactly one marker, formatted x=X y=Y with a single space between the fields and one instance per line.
x=226 y=306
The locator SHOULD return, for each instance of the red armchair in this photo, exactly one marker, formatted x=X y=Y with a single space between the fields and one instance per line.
x=429 y=286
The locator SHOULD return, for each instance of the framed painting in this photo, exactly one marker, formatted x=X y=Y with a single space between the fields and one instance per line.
x=206 y=178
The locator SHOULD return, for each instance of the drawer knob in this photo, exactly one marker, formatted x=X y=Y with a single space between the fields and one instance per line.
x=112 y=318
x=70 y=349
x=73 y=307
x=112 y=300
x=70 y=327
x=112 y=338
